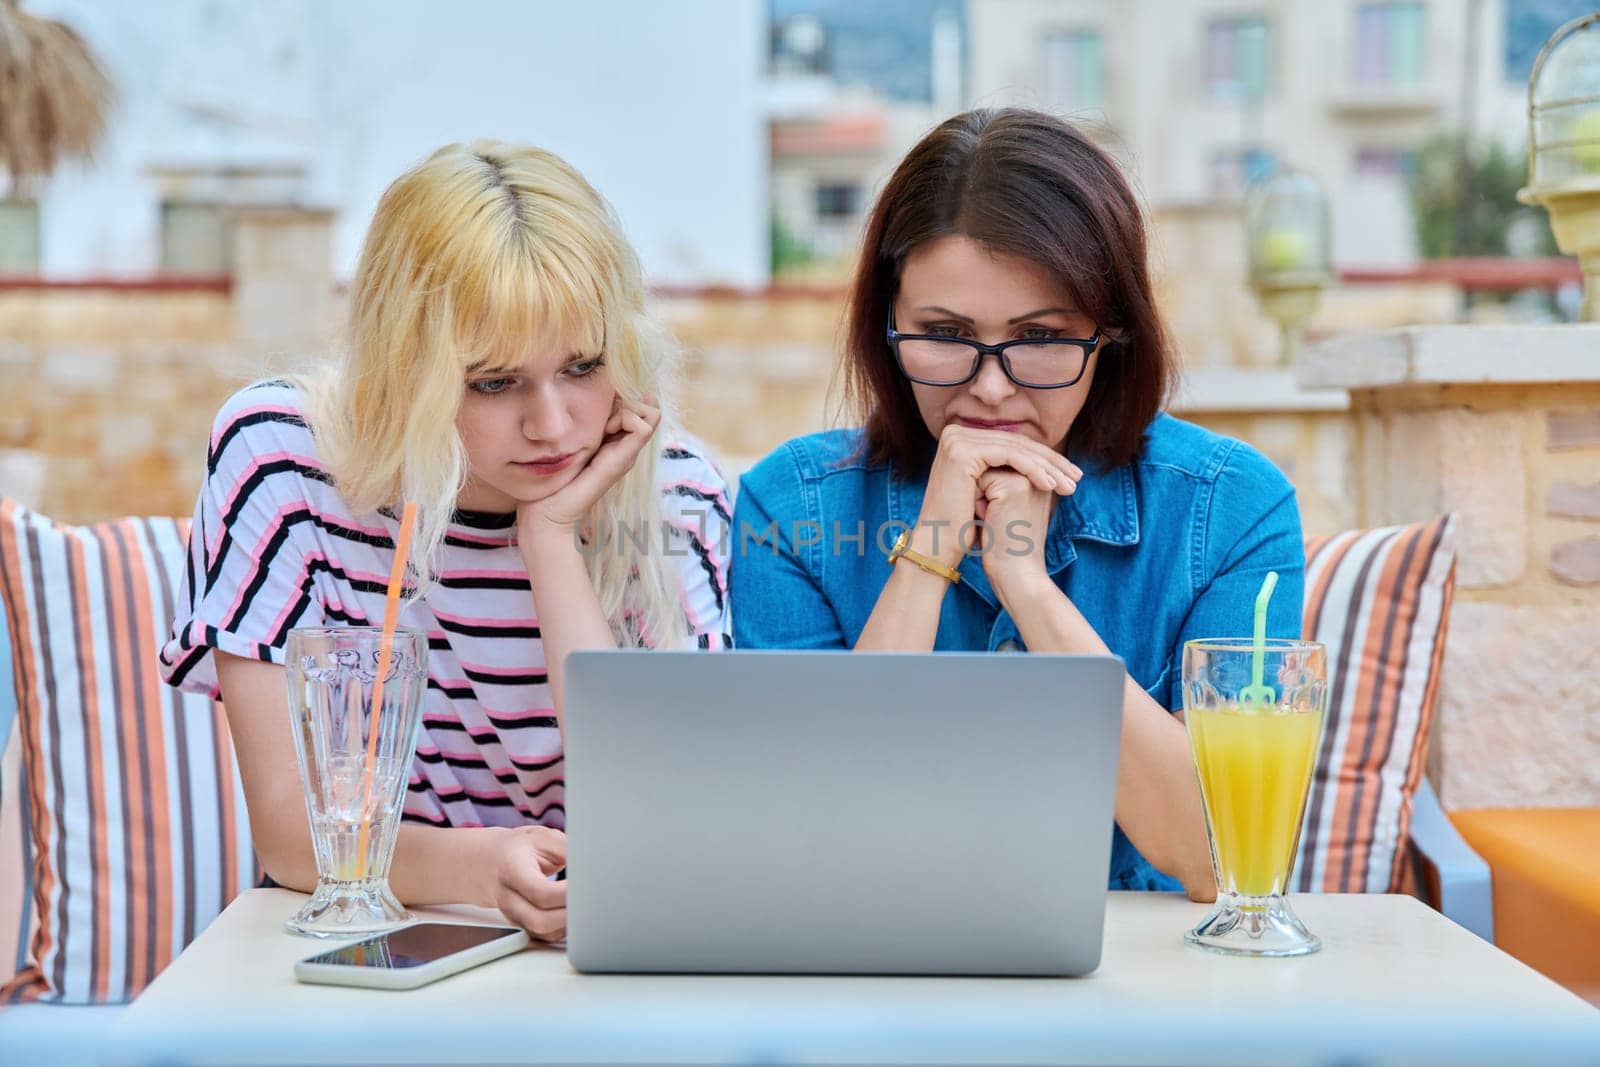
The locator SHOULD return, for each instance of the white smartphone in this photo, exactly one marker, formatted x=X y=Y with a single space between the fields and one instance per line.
x=412 y=955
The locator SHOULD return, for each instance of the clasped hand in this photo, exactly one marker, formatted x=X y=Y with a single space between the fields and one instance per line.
x=995 y=492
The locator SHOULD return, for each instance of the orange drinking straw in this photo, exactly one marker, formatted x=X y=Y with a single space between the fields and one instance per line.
x=391 y=615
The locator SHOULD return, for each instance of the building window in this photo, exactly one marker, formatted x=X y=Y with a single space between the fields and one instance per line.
x=1390 y=44
x=194 y=239
x=1238 y=59
x=1074 y=70
x=838 y=200
x=1374 y=162
x=19 y=238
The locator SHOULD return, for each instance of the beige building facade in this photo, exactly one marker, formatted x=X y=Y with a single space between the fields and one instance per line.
x=1194 y=95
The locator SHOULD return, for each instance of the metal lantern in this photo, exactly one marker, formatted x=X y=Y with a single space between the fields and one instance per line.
x=1286 y=225
x=1564 y=146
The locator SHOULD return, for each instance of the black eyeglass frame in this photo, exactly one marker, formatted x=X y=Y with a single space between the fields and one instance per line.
x=1086 y=344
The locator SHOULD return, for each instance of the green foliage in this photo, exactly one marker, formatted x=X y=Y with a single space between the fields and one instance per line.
x=1469 y=207
x=789 y=253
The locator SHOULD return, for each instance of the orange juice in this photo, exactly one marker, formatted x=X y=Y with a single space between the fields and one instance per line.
x=1254 y=766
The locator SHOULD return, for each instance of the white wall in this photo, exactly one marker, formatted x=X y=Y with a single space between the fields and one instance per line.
x=658 y=104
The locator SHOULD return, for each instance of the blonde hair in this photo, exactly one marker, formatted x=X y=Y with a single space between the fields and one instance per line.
x=476 y=257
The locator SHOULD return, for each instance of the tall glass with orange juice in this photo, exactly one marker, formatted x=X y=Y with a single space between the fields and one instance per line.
x=1255 y=747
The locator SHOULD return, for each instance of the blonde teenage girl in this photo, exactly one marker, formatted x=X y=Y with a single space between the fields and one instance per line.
x=501 y=372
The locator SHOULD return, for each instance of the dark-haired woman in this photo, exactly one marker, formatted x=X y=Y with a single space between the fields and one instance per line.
x=1014 y=484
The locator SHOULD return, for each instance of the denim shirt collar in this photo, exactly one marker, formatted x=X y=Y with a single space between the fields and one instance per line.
x=1105 y=508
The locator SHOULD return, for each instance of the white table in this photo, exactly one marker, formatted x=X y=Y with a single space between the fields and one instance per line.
x=1395 y=982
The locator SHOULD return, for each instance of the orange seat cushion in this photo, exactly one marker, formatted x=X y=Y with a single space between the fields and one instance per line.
x=1545 y=867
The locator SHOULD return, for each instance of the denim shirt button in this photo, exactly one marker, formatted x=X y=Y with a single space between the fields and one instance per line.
x=1007 y=645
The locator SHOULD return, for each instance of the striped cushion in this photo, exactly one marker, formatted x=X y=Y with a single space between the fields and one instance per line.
x=136 y=817
x=13 y=841
x=15 y=914
x=1379 y=600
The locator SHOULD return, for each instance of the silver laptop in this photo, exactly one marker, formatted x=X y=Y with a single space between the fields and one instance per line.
x=839 y=813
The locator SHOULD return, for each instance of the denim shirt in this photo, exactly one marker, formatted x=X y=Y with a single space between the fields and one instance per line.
x=1168 y=547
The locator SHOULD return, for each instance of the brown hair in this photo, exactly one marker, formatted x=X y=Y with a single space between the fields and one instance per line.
x=1028 y=184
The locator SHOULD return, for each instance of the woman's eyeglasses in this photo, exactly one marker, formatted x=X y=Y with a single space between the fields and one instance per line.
x=1047 y=363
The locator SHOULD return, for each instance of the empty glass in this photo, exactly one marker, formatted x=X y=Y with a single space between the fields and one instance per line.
x=1254 y=751
x=354 y=811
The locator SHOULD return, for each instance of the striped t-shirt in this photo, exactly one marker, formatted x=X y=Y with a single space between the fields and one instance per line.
x=273 y=547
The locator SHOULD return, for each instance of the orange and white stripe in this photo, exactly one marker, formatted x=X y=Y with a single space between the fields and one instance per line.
x=1380 y=601
x=137 y=816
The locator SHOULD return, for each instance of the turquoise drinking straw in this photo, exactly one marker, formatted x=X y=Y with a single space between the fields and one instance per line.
x=1256 y=693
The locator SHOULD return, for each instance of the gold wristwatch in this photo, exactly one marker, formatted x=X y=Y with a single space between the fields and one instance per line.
x=902 y=550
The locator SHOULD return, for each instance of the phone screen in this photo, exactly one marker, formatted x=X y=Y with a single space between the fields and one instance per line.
x=413 y=946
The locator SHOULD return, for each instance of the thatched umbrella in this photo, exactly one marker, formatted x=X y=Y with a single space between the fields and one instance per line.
x=53 y=95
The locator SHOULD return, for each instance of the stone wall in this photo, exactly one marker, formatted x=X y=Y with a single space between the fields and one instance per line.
x=1502 y=426
x=111 y=393
x=110 y=390
x=87 y=377
x=107 y=430
x=758 y=370
x=1307 y=433
x=70 y=317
